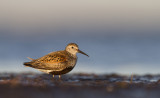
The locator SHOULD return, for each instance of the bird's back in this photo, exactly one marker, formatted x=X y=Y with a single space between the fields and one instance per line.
x=59 y=62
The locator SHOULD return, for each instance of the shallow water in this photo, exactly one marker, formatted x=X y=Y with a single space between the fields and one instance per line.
x=30 y=85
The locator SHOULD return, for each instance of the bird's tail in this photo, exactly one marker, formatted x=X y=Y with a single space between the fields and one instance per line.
x=28 y=64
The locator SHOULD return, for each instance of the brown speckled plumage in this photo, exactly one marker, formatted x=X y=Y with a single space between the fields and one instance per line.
x=57 y=63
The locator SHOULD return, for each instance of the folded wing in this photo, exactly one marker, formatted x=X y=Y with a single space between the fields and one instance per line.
x=52 y=61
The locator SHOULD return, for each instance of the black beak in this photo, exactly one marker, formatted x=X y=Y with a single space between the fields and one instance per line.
x=82 y=52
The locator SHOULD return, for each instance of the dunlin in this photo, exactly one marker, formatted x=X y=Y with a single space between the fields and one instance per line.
x=57 y=63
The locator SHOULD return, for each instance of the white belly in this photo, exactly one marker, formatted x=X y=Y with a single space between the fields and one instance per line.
x=46 y=71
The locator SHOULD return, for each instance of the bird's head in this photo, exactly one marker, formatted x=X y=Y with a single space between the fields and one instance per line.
x=73 y=49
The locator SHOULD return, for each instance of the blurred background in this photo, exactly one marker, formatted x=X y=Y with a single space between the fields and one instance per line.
x=120 y=36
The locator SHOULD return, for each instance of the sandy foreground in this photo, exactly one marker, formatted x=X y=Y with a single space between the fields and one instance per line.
x=31 y=85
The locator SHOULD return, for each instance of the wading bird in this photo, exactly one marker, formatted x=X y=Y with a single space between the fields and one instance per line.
x=57 y=63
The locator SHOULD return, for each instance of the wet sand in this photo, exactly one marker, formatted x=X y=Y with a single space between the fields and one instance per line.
x=31 y=85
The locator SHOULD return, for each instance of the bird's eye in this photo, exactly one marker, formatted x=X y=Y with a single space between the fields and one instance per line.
x=72 y=47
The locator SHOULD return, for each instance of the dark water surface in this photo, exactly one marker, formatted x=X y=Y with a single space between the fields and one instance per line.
x=30 y=85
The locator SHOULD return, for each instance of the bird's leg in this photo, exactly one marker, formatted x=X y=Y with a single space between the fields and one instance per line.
x=59 y=76
x=53 y=76
x=131 y=80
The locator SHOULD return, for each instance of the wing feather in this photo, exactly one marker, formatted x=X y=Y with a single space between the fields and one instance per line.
x=53 y=61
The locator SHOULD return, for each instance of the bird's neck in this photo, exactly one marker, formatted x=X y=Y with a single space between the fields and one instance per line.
x=74 y=55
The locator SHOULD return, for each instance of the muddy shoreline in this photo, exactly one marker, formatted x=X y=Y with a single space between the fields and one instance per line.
x=31 y=85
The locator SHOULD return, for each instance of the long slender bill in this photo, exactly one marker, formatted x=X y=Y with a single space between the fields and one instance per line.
x=82 y=52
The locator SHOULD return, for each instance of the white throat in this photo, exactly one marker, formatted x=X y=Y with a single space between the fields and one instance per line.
x=72 y=53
